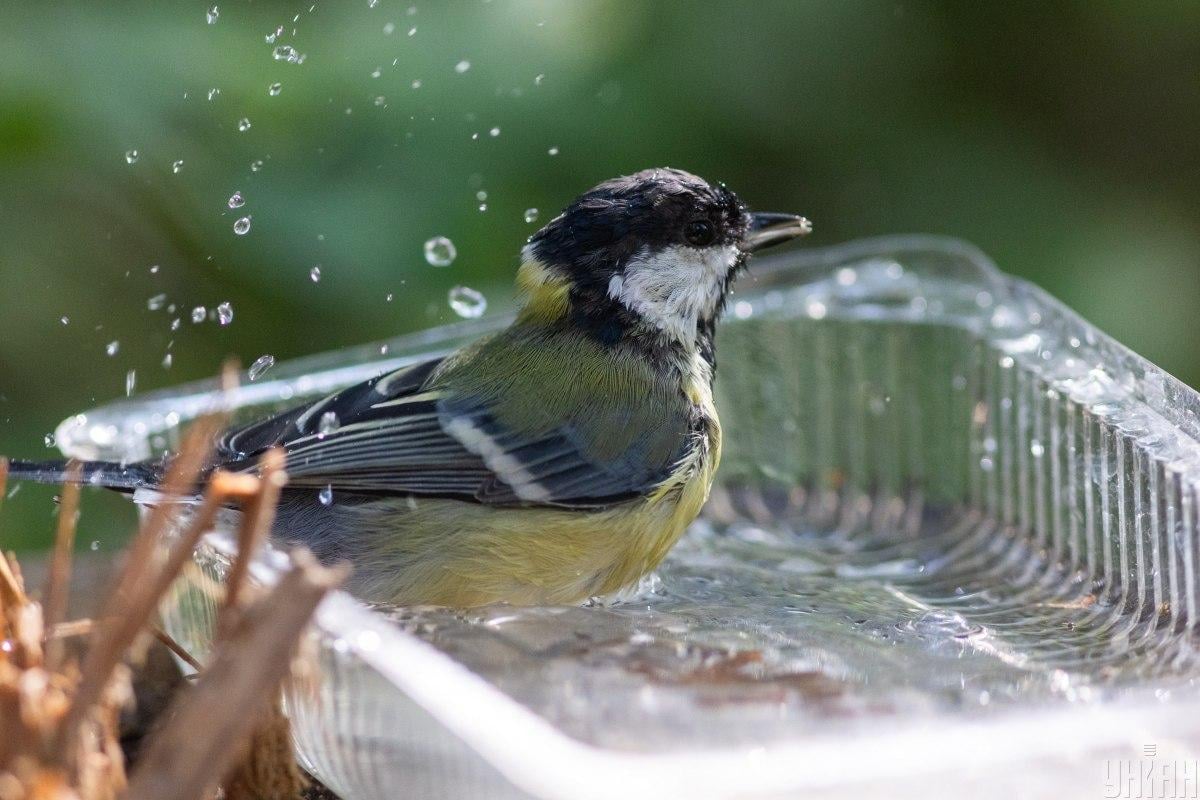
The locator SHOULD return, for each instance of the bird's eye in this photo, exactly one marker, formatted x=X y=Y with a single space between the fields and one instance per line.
x=700 y=232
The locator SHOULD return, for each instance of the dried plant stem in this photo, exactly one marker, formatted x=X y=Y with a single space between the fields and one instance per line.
x=58 y=582
x=210 y=721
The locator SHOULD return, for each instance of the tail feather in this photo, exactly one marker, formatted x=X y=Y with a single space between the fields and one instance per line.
x=110 y=474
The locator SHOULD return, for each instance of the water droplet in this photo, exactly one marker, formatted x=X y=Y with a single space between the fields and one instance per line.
x=285 y=52
x=481 y=195
x=372 y=3
x=130 y=382
x=49 y=440
x=329 y=423
x=168 y=359
x=236 y=200
x=112 y=347
x=389 y=28
x=412 y=31
x=225 y=313
x=255 y=166
x=244 y=124
x=462 y=66
x=380 y=100
x=95 y=545
x=260 y=366
x=1037 y=449
x=274 y=89
x=416 y=84
x=131 y=156
x=483 y=206
x=440 y=251
x=531 y=215
x=375 y=73
x=552 y=151
x=157 y=302
x=242 y=226
x=390 y=297
x=65 y=320
x=467 y=302
x=176 y=166
x=325 y=495
x=494 y=132
x=537 y=79
x=211 y=15
x=198 y=314
x=315 y=273
x=175 y=323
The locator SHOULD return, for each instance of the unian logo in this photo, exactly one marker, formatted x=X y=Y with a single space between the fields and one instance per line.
x=1151 y=777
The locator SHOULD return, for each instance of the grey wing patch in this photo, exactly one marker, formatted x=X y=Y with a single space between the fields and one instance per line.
x=554 y=469
x=354 y=403
x=397 y=437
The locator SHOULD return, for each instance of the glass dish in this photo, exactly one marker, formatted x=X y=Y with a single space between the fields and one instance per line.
x=953 y=547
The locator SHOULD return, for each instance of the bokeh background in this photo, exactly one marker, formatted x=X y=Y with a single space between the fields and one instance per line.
x=1059 y=137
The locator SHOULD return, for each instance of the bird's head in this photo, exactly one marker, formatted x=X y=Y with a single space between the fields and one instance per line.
x=657 y=250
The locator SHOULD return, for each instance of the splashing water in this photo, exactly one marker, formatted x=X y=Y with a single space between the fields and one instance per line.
x=131 y=156
x=274 y=89
x=531 y=215
x=225 y=313
x=198 y=314
x=212 y=15
x=112 y=348
x=49 y=440
x=176 y=166
x=260 y=366
x=325 y=495
x=157 y=302
x=314 y=274
x=467 y=302
x=236 y=200
x=130 y=382
x=440 y=252
x=242 y=226
x=329 y=423
x=244 y=124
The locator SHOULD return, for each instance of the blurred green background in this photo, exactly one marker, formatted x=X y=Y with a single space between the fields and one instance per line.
x=1059 y=137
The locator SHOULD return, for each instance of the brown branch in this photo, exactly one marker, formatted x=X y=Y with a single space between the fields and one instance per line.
x=258 y=514
x=58 y=581
x=175 y=647
x=210 y=722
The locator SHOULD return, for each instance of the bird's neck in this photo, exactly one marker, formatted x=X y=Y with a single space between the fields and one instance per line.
x=552 y=300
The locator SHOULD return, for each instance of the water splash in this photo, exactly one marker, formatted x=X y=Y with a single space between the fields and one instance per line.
x=236 y=200
x=467 y=302
x=131 y=156
x=314 y=274
x=225 y=313
x=260 y=366
x=242 y=226
x=531 y=215
x=440 y=251
x=211 y=15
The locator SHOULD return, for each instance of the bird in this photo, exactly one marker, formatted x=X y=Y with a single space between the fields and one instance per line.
x=553 y=461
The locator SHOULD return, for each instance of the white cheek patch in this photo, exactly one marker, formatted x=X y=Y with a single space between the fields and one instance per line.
x=675 y=287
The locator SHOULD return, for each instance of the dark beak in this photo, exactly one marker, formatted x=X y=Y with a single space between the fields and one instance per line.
x=772 y=229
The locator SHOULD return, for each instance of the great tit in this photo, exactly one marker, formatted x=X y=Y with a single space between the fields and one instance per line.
x=556 y=460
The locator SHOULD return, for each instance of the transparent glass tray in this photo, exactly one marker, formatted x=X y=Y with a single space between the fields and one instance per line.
x=953 y=547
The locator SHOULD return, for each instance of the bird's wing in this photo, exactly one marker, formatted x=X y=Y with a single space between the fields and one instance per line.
x=514 y=421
